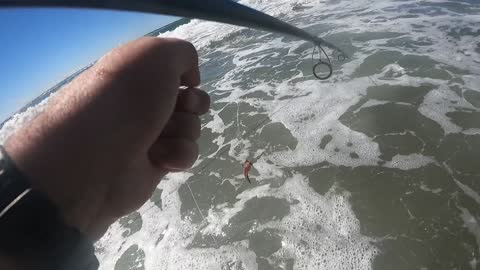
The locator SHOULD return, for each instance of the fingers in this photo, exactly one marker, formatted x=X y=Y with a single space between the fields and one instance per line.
x=191 y=77
x=144 y=76
x=160 y=56
x=188 y=63
x=173 y=154
x=176 y=149
x=193 y=100
x=182 y=125
x=151 y=72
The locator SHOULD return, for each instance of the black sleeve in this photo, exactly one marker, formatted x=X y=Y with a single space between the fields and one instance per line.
x=33 y=230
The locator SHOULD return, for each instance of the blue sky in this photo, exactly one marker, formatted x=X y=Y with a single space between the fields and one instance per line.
x=40 y=47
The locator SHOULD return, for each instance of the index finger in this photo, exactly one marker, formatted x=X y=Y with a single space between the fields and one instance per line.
x=185 y=60
x=154 y=60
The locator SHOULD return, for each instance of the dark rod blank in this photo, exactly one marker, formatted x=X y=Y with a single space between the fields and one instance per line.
x=224 y=11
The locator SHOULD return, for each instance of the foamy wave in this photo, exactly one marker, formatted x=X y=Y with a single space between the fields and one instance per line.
x=20 y=119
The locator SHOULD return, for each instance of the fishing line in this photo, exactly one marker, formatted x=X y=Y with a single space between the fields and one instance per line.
x=320 y=62
x=371 y=79
x=238 y=122
x=209 y=162
x=341 y=57
x=248 y=133
x=200 y=211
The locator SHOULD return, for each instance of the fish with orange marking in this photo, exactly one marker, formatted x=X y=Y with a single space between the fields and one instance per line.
x=247 y=166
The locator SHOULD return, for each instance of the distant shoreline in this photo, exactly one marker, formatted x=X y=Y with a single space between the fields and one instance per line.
x=53 y=89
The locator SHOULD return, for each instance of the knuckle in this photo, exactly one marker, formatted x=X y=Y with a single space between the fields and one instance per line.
x=187 y=45
x=175 y=47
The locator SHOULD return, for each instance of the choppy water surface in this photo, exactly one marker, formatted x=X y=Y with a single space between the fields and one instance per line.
x=376 y=168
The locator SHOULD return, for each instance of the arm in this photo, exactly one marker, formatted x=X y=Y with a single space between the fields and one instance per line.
x=106 y=139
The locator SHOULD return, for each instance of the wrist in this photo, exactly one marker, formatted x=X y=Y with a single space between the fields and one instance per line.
x=33 y=229
x=46 y=175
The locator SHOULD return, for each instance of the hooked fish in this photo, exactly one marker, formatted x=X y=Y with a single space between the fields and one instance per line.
x=247 y=166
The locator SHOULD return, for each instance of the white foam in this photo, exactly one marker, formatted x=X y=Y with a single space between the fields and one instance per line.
x=20 y=119
x=408 y=162
x=468 y=191
x=337 y=245
x=471 y=131
x=201 y=33
x=155 y=222
x=437 y=104
x=426 y=188
x=325 y=104
x=472 y=224
x=393 y=70
x=472 y=82
x=218 y=218
x=371 y=103
x=217 y=125
x=321 y=232
x=240 y=149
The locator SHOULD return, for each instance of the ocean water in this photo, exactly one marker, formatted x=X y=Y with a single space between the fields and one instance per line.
x=375 y=168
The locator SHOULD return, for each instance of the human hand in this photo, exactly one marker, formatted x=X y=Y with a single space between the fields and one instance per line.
x=107 y=138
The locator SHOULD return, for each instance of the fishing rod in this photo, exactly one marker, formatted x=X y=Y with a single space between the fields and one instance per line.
x=224 y=11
